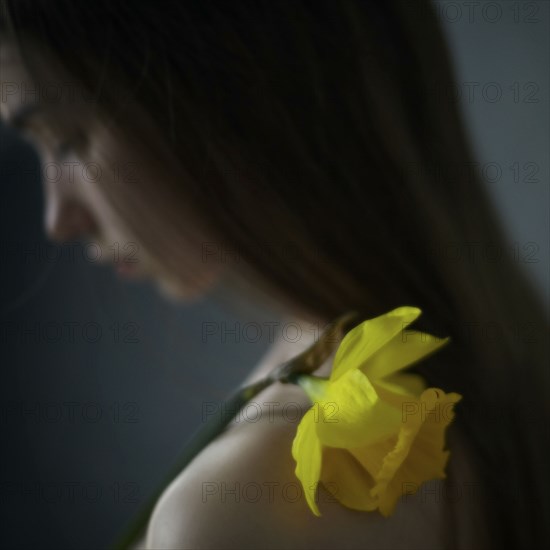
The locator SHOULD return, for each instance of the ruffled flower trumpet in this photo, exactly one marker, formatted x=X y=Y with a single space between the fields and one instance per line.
x=374 y=433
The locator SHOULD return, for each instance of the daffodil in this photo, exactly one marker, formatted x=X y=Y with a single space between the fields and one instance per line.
x=374 y=432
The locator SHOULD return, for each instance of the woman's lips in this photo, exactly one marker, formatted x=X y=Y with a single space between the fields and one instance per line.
x=127 y=269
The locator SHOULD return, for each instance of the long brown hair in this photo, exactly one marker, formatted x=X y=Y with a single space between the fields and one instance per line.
x=325 y=129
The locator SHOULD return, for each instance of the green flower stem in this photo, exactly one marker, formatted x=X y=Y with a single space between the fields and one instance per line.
x=314 y=386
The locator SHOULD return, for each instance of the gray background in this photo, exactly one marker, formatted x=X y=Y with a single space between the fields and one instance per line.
x=501 y=51
x=90 y=427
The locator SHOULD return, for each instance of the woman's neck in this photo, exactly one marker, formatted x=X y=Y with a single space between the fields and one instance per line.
x=295 y=336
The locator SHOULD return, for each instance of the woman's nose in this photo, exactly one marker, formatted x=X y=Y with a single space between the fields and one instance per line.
x=68 y=219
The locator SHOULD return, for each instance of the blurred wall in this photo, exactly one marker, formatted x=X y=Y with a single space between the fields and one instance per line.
x=501 y=51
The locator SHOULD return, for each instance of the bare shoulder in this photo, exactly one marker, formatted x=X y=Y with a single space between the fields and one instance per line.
x=241 y=492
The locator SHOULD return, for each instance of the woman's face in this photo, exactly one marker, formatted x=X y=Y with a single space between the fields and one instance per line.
x=90 y=177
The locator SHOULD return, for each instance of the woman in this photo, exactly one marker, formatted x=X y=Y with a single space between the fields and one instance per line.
x=308 y=147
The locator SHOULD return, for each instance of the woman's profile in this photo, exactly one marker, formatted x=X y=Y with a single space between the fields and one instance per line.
x=303 y=153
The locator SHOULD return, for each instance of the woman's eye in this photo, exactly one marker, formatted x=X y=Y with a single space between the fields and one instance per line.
x=77 y=143
x=63 y=149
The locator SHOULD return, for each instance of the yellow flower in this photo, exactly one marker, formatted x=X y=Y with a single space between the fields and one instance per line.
x=374 y=433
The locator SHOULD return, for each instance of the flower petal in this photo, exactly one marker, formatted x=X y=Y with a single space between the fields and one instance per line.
x=368 y=337
x=400 y=388
x=347 y=481
x=404 y=349
x=307 y=452
x=353 y=415
x=371 y=457
x=314 y=386
x=418 y=455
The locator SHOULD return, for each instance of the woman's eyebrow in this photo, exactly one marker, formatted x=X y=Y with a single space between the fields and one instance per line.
x=21 y=117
